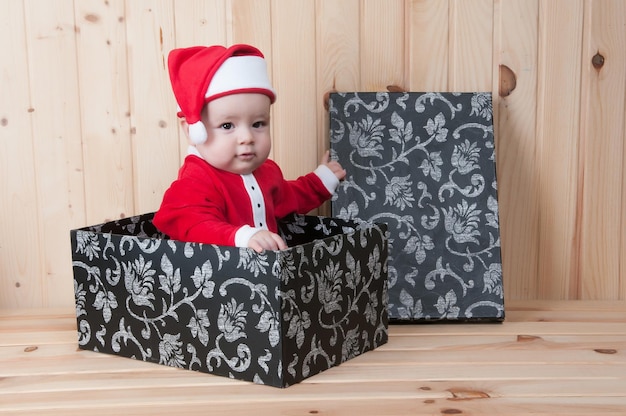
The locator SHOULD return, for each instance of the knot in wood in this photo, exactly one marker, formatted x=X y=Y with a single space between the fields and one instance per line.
x=605 y=351
x=508 y=81
x=597 y=61
x=395 y=88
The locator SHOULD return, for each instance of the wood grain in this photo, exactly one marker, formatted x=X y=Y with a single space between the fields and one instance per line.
x=155 y=146
x=88 y=131
x=427 y=43
x=104 y=110
x=293 y=68
x=547 y=358
x=382 y=50
x=338 y=68
x=20 y=275
x=516 y=147
x=559 y=187
x=57 y=148
x=471 y=45
x=602 y=147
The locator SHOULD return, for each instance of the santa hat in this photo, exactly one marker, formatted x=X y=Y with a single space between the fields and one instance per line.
x=200 y=74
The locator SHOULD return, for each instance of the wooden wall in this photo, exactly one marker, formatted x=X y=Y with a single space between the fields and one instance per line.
x=88 y=130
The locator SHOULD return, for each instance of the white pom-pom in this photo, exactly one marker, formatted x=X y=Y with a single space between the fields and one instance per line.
x=197 y=133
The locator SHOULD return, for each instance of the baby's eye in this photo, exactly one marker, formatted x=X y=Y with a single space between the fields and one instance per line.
x=259 y=124
x=227 y=126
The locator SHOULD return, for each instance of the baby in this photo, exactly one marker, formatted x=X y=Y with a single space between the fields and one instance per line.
x=228 y=192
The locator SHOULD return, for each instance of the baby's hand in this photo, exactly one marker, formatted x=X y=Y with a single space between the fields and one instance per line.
x=266 y=240
x=333 y=165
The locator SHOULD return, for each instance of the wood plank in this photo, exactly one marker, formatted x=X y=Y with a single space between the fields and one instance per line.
x=371 y=368
x=523 y=371
x=602 y=150
x=516 y=100
x=36 y=327
x=337 y=62
x=155 y=143
x=511 y=355
x=39 y=338
x=426 y=407
x=558 y=135
x=184 y=382
x=561 y=306
x=337 y=28
x=427 y=45
x=622 y=253
x=251 y=22
x=57 y=149
x=231 y=389
x=515 y=328
x=471 y=45
x=37 y=323
x=104 y=109
x=200 y=23
x=192 y=401
x=566 y=316
x=510 y=342
x=558 y=361
x=7 y=313
x=293 y=70
x=20 y=274
x=382 y=52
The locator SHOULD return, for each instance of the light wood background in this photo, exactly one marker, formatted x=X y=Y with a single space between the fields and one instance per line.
x=88 y=131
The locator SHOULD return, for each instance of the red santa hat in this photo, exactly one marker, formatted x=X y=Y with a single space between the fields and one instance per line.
x=200 y=74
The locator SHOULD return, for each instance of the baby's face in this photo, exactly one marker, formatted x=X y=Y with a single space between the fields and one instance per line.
x=238 y=132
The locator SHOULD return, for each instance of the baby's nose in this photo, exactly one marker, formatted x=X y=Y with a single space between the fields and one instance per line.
x=245 y=135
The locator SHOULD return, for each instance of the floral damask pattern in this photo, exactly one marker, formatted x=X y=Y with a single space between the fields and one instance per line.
x=272 y=318
x=424 y=163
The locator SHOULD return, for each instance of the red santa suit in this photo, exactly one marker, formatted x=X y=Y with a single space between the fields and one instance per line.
x=209 y=205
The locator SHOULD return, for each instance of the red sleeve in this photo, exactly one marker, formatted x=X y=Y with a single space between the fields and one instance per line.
x=300 y=195
x=195 y=210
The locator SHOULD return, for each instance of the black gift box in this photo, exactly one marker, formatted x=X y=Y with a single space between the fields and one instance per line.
x=424 y=163
x=273 y=318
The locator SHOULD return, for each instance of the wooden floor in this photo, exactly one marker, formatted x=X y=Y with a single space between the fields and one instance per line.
x=547 y=358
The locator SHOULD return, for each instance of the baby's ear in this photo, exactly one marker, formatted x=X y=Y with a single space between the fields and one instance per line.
x=185 y=126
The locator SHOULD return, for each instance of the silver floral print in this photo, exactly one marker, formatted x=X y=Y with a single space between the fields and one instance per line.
x=424 y=163
x=271 y=318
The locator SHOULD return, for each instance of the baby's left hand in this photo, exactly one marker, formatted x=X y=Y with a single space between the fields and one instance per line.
x=333 y=165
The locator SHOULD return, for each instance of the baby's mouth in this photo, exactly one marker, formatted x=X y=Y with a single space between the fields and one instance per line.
x=246 y=156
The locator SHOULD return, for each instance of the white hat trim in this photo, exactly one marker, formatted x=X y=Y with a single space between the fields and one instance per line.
x=240 y=73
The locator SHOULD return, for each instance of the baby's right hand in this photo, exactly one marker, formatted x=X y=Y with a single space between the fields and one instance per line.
x=266 y=240
x=333 y=165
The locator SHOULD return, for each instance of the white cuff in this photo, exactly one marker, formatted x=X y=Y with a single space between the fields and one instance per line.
x=327 y=177
x=244 y=234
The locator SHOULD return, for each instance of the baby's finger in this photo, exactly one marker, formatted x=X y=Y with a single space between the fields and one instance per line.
x=254 y=245
x=325 y=158
x=280 y=243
